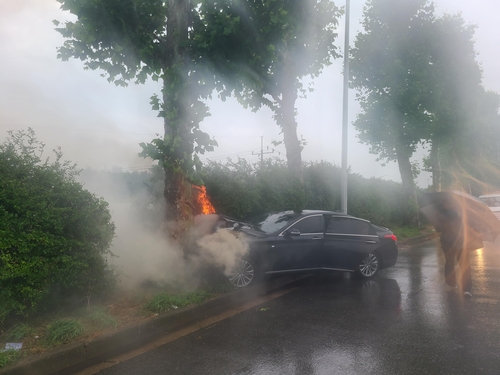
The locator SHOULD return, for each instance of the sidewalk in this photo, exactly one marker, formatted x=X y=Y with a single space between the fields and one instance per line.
x=81 y=354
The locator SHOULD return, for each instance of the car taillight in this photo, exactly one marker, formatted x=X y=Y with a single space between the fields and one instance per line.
x=391 y=236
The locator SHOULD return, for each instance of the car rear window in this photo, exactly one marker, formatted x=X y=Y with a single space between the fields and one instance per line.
x=343 y=225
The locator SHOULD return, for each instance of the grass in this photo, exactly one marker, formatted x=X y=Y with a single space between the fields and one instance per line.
x=403 y=233
x=8 y=357
x=63 y=330
x=18 y=332
x=164 y=302
x=15 y=334
x=101 y=319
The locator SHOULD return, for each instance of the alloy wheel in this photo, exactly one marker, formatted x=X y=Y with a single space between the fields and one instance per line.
x=369 y=265
x=242 y=274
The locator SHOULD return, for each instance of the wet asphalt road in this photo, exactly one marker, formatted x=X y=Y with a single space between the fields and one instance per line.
x=402 y=322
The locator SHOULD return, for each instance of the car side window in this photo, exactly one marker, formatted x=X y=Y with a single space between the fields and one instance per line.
x=344 y=225
x=312 y=224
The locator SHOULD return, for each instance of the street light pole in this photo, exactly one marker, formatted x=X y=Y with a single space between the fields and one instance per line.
x=343 y=178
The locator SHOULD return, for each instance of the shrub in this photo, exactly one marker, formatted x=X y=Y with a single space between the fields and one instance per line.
x=247 y=191
x=54 y=235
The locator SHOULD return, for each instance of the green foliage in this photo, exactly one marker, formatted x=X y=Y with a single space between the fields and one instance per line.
x=141 y=39
x=63 y=330
x=390 y=68
x=244 y=190
x=54 y=235
x=257 y=50
x=419 y=83
x=247 y=191
x=263 y=49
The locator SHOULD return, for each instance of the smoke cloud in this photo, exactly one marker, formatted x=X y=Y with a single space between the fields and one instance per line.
x=222 y=249
x=143 y=254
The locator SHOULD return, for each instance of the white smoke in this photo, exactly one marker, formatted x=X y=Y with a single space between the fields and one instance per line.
x=222 y=249
x=143 y=251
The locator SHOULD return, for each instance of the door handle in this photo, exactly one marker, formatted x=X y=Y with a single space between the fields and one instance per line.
x=316 y=238
x=370 y=241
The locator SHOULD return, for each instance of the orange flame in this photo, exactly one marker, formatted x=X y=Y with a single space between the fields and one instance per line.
x=203 y=201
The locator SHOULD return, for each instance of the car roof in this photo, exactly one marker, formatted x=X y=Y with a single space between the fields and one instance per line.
x=322 y=212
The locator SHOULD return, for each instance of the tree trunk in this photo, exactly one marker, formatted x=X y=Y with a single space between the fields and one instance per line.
x=435 y=166
x=289 y=125
x=409 y=191
x=177 y=191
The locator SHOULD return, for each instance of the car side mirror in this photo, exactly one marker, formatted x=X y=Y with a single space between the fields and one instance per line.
x=292 y=232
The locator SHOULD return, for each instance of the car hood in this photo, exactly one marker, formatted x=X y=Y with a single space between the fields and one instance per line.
x=252 y=233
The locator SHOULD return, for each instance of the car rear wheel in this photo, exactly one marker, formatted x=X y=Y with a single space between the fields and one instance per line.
x=242 y=274
x=368 y=266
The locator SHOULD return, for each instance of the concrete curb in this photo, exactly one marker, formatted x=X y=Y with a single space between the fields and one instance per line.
x=79 y=355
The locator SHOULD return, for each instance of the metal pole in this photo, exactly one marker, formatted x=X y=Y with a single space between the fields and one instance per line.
x=262 y=152
x=343 y=191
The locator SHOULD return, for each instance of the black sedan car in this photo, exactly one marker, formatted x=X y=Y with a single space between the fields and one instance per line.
x=286 y=242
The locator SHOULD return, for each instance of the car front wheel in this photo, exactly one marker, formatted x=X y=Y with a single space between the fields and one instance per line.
x=242 y=274
x=368 y=266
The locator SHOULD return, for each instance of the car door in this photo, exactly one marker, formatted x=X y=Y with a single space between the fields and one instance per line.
x=346 y=240
x=298 y=246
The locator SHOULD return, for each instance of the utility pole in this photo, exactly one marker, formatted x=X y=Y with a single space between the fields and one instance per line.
x=343 y=189
x=262 y=152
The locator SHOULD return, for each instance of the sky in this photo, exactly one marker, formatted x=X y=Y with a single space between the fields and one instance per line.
x=100 y=126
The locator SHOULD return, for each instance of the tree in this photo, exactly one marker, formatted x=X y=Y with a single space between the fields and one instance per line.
x=461 y=109
x=134 y=40
x=390 y=68
x=265 y=48
x=54 y=235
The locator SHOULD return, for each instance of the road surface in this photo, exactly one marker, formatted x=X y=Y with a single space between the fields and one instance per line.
x=404 y=321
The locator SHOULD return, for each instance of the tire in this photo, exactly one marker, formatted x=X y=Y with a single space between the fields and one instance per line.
x=243 y=274
x=369 y=266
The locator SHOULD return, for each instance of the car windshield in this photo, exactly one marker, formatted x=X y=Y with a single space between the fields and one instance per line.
x=275 y=221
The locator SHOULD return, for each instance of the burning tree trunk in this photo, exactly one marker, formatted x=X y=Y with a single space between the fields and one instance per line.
x=176 y=104
x=202 y=202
